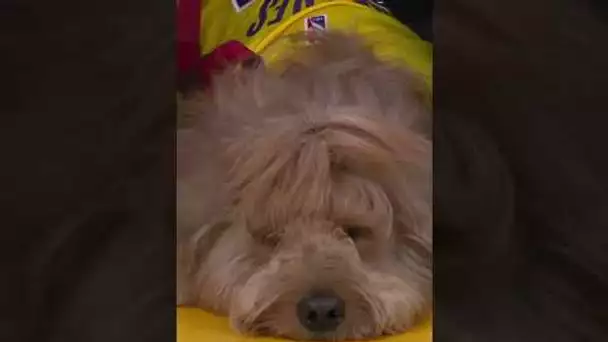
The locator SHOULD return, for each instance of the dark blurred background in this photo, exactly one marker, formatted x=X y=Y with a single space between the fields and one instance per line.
x=521 y=169
x=417 y=14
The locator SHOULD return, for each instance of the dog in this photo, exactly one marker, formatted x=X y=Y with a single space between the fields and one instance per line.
x=304 y=192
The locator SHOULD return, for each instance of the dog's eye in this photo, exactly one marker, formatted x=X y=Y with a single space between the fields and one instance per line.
x=270 y=239
x=356 y=232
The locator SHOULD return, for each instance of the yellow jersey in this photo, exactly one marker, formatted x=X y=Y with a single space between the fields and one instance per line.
x=257 y=24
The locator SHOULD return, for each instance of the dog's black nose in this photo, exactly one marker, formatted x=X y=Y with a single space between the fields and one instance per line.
x=321 y=312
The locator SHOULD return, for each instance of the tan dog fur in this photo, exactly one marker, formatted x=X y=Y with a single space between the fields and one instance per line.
x=312 y=175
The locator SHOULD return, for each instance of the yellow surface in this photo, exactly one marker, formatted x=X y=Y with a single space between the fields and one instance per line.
x=194 y=325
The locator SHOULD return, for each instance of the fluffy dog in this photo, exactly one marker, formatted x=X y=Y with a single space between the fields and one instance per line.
x=304 y=195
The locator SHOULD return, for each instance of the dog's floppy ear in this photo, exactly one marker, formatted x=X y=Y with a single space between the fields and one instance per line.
x=192 y=252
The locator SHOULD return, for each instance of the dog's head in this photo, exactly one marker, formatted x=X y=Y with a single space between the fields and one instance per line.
x=326 y=228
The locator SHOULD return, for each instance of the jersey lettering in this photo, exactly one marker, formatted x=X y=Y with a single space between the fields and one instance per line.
x=279 y=7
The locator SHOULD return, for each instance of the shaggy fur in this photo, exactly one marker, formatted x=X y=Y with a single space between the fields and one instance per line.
x=314 y=175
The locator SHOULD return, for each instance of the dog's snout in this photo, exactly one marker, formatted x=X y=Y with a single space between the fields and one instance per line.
x=321 y=312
